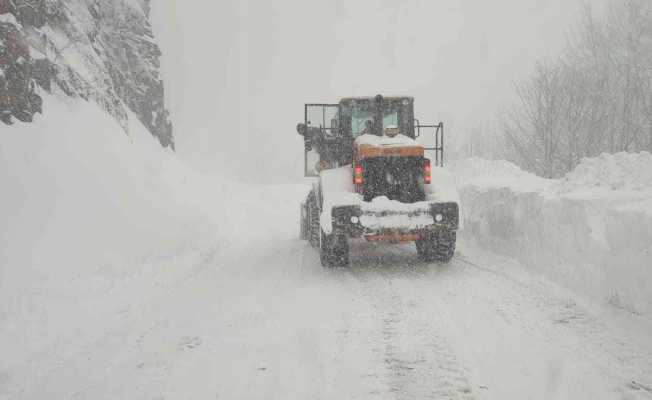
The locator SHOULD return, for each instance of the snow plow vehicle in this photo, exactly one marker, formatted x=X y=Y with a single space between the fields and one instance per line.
x=375 y=181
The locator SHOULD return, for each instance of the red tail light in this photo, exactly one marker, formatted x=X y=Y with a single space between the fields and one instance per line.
x=358 y=178
x=427 y=172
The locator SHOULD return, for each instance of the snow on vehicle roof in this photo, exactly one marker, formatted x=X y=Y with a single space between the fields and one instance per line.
x=385 y=141
x=366 y=98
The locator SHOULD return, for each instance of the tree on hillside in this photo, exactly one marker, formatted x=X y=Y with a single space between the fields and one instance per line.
x=595 y=98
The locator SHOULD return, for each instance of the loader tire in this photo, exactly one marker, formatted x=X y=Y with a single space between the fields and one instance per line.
x=437 y=246
x=333 y=250
x=303 y=222
x=314 y=227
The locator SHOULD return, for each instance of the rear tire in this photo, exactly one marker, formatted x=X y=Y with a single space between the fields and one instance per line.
x=333 y=250
x=313 y=221
x=304 y=227
x=437 y=246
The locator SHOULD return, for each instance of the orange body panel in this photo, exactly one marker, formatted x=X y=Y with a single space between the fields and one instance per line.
x=370 y=151
x=394 y=238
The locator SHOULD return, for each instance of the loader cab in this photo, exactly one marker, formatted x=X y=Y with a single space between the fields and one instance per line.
x=377 y=116
x=329 y=130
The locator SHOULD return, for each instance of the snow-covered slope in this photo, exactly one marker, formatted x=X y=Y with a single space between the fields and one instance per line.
x=591 y=230
x=90 y=218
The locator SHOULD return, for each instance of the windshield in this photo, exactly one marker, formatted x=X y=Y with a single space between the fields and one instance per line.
x=390 y=119
x=362 y=121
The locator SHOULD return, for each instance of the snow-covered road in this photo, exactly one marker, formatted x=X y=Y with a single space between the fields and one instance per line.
x=256 y=316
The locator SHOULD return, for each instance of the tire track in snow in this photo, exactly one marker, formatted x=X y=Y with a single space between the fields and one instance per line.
x=418 y=361
x=572 y=327
x=432 y=371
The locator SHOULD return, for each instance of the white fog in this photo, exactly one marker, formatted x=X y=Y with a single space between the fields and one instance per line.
x=325 y=199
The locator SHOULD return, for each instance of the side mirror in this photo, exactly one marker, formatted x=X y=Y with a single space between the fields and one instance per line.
x=302 y=129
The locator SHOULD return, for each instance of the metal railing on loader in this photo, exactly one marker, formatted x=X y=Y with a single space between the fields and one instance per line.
x=439 y=140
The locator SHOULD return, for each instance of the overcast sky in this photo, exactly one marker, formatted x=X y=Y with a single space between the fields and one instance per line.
x=238 y=71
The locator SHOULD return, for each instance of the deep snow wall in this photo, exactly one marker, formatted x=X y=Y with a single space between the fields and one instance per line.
x=588 y=231
x=91 y=219
x=100 y=50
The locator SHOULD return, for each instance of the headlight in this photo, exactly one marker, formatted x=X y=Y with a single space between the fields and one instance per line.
x=439 y=218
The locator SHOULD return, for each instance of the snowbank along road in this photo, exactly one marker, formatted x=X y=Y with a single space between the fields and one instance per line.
x=183 y=299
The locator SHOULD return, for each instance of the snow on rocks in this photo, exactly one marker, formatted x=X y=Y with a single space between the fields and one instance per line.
x=591 y=230
x=87 y=49
x=8 y=18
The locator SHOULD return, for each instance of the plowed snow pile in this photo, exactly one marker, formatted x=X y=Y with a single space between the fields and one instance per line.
x=496 y=173
x=591 y=230
x=621 y=171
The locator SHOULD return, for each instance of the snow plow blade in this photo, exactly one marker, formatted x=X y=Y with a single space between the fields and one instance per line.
x=393 y=225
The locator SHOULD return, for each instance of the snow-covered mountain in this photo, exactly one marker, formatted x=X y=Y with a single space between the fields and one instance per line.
x=99 y=50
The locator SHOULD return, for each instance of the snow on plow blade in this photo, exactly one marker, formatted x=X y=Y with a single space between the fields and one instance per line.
x=395 y=225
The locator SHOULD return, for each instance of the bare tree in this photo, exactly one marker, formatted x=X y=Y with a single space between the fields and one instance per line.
x=596 y=98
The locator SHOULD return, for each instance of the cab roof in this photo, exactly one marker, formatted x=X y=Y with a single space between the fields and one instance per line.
x=369 y=98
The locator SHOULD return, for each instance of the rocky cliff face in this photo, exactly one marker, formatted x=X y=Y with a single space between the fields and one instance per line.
x=99 y=50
